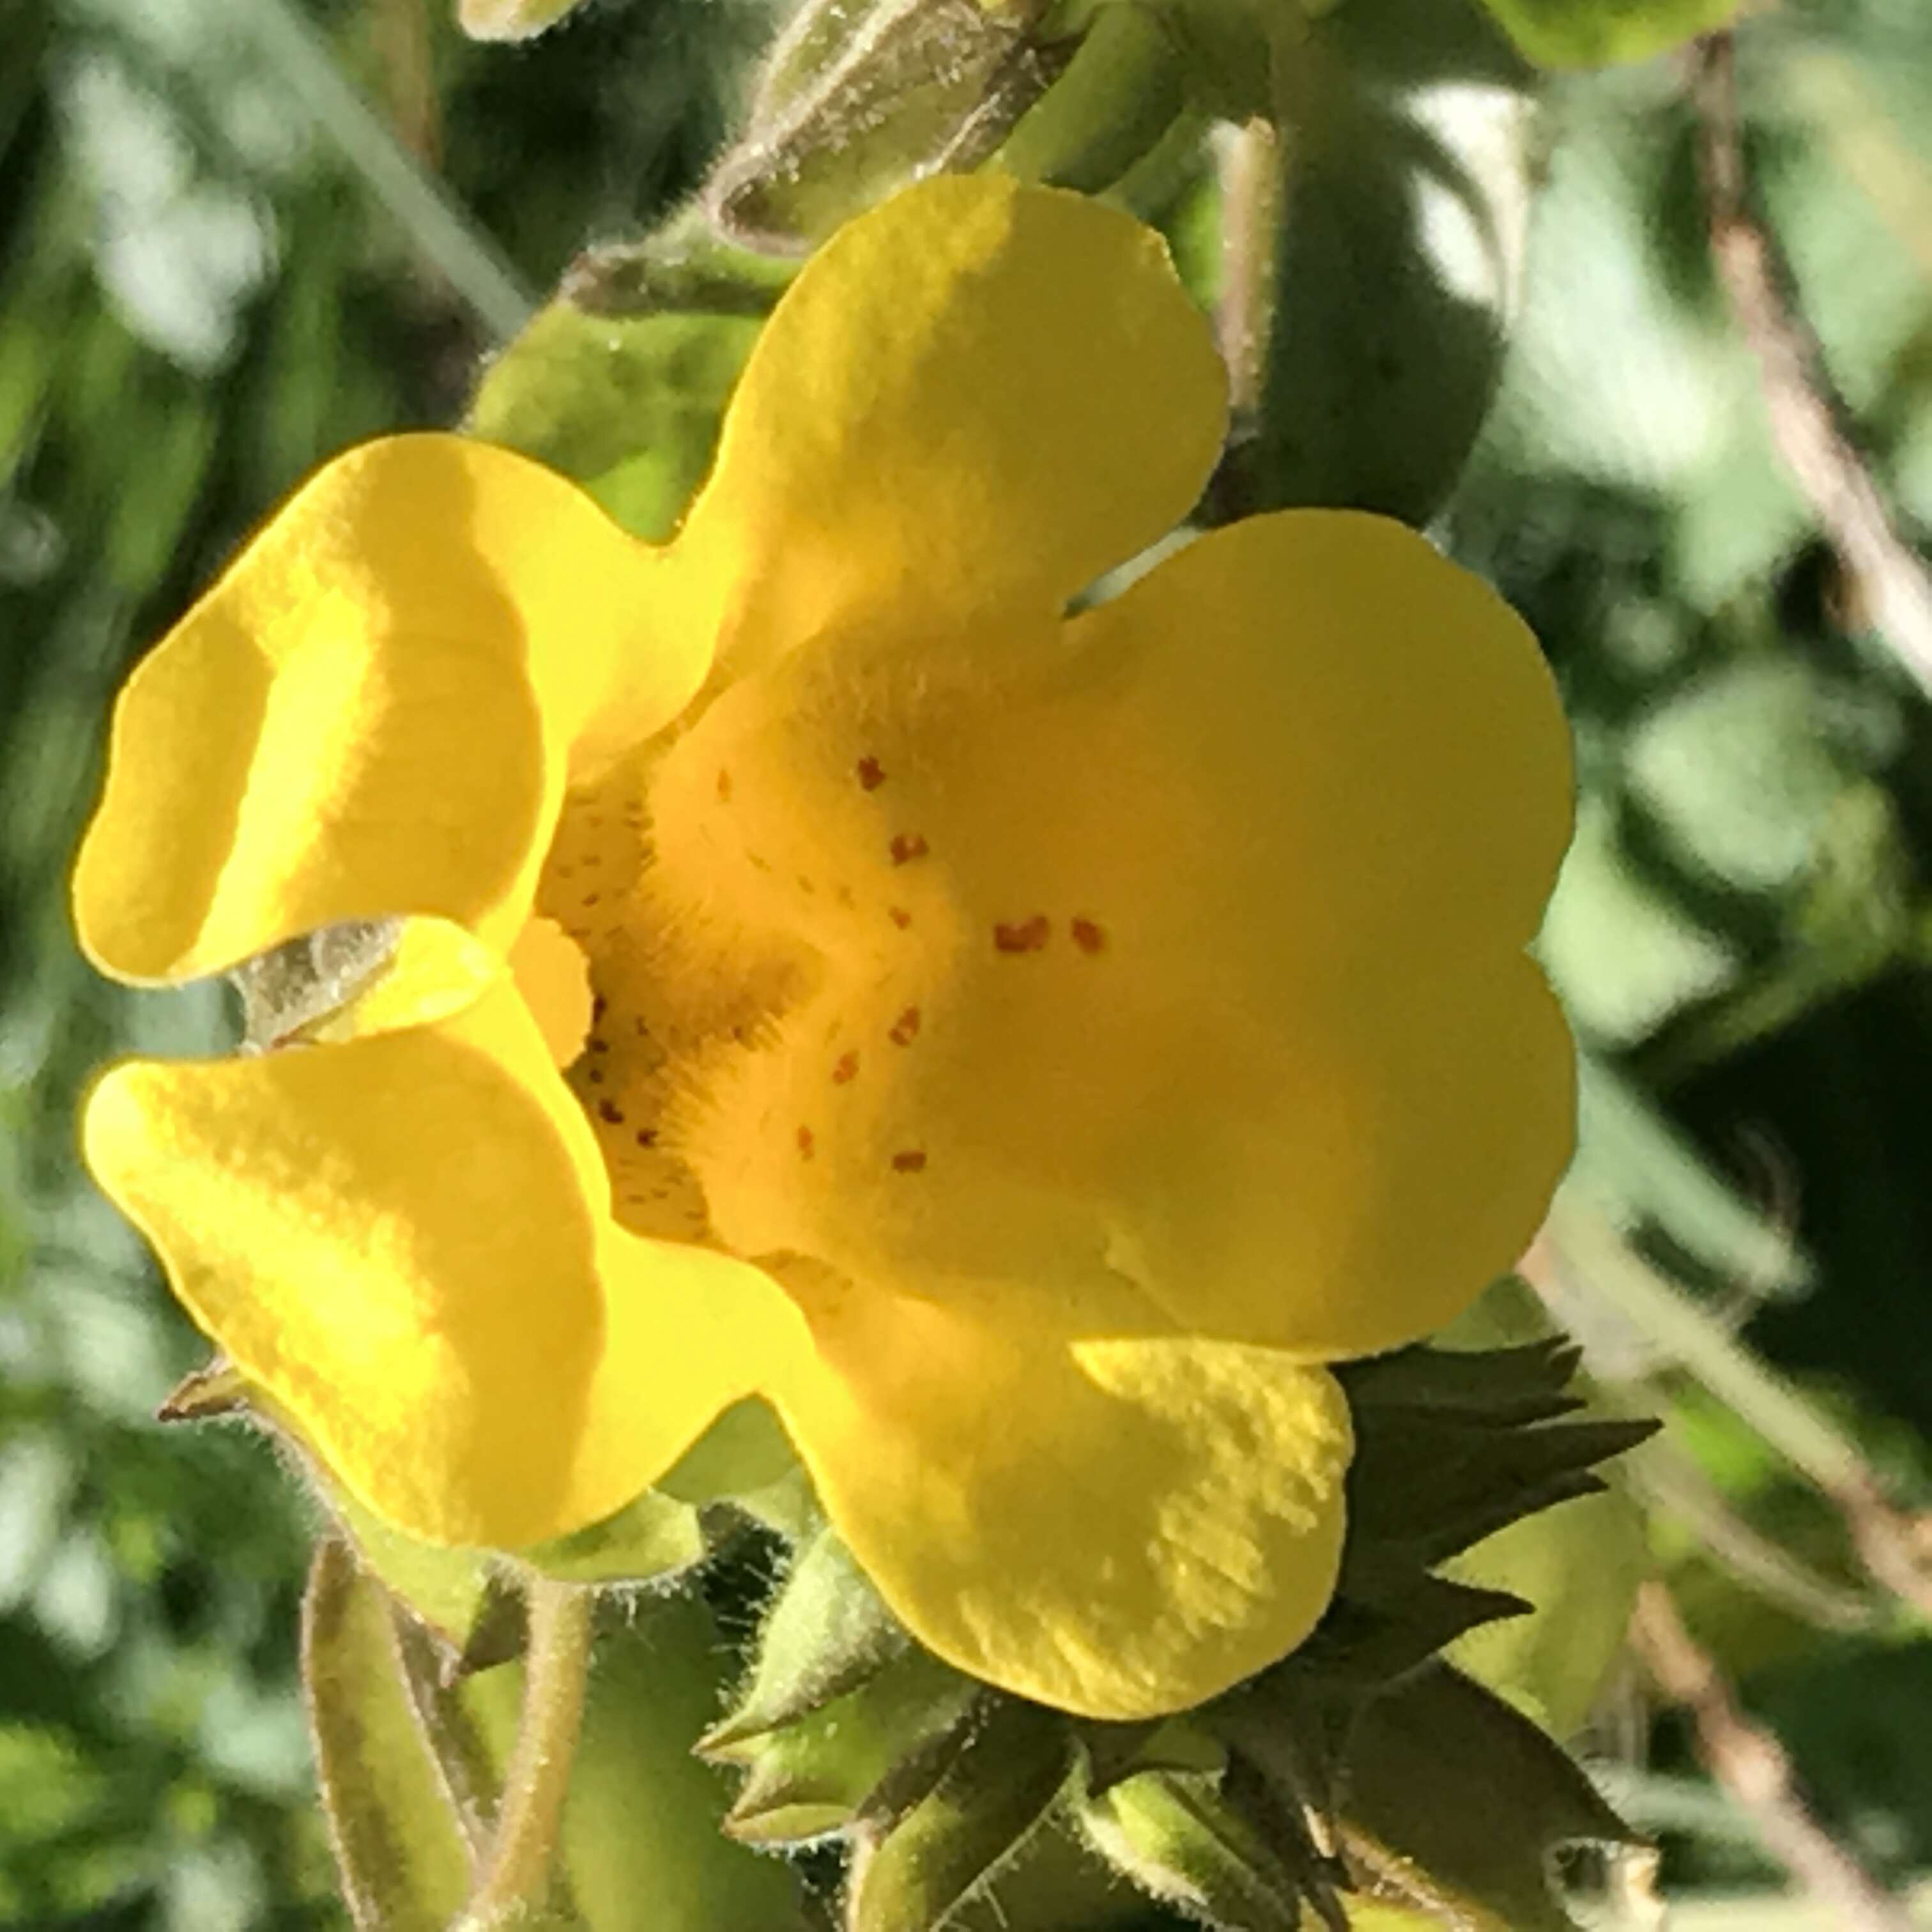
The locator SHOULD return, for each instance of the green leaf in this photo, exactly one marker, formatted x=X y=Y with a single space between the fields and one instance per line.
x=621 y=382
x=999 y=1779
x=1579 y=1565
x=1597 y=33
x=1407 y=129
x=1455 y=1804
x=641 y=1823
x=641 y=1845
x=404 y=1861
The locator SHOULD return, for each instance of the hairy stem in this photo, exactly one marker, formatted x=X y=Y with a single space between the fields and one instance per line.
x=519 y=1874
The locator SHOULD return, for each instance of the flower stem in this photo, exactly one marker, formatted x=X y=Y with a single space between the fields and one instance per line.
x=518 y=1876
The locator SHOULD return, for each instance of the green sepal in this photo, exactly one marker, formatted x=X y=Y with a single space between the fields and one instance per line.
x=401 y=1852
x=453 y=1591
x=745 y=1461
x=1450 y=1446
x=448 y=1590
x=1525 y=1382
x=856 y=102
x=652 y=1539
x=846 y=1727
x=1457 y=1805
x=217 y=1388
x=1172 y=1835
x=1369 y=1640
x=1601 y=33
x=1407 y=143
x=827 y=1632
x=997 y=1779
x=289 y=987
x=1579 y=1563
x=621 y=382
x=824 y=1771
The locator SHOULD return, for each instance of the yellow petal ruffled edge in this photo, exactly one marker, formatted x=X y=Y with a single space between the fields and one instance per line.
x=375 y=711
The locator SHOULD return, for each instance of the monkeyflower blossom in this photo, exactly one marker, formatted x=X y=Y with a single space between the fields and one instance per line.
x=1023 y=1048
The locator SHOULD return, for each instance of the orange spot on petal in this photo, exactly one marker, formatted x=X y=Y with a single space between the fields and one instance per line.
x=1088 y=936
x=907 y=846
x=805 y=1143
x=911 y=1161
x=846 y=1069
x=1028 y=935
x=899 y=916
x=905 y=1028
x=871 y=773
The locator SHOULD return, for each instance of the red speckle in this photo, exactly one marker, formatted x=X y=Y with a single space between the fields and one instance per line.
x=907 y=846
x=592 y=899
x=805 y=1143
x=1027 y=936
x=912 y=1161
x=724 y=787
x=905 y=1028
x=847 y=1067
x=899 y=916
x=597 y=1046
x=1088 y=936
x=608 y=1109
x=647 y=1137
x=871 y=773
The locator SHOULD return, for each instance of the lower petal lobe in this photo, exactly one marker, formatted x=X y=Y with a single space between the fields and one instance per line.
x=405 y=1241
x=1061 y=1499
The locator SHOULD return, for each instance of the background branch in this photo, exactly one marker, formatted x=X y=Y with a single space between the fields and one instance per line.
x=1807 y=418
x=1752 y=1766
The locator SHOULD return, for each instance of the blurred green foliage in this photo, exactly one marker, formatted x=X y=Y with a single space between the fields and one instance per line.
x=203 y=292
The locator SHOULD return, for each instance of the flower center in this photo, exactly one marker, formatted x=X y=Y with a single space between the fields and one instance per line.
x=792 y=936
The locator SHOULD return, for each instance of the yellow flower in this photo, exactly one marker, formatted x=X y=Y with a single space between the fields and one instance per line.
x=1025 y=1048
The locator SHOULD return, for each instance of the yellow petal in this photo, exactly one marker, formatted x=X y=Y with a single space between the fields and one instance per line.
x=404 y=1241
x=1193 y=941
x=373 y=711
x=1062 y=1499
x=978 y=395
x=553 y=976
